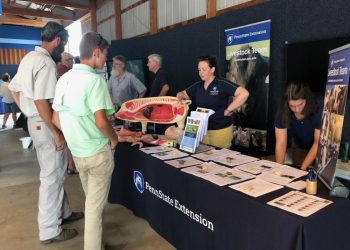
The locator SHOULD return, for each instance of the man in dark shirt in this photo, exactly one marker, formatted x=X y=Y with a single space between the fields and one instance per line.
x=160 y=84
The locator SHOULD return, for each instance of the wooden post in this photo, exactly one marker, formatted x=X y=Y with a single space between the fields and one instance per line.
x=211 y=8
x=93 y=15
x=153 y=16
x=118 y=19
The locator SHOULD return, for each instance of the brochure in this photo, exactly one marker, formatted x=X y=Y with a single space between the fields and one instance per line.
x=170 y=154
x=258 y=167
x=234 y=160
x=229 y=176
x=190 y=138
x=256 y=187
x=156 y=149
x=300 y=203
x=282 y=175
x=204 y=169
x=184 y=162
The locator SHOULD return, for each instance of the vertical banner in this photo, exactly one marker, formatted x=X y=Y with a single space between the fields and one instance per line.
x=333 y=113
x=248 y=60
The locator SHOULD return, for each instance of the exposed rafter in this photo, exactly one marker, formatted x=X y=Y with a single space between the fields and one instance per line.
x=62 y=3
x=36 y=13
x=7 y=19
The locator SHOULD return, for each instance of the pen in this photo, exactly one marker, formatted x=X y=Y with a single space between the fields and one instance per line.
x=311 y=174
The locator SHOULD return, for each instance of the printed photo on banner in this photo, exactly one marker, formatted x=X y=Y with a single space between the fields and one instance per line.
x=333 y=113
x=248 y=65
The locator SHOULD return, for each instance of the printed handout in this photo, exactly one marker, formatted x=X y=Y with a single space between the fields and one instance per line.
x=300 y=203
x=229 y=176
x=256 y=187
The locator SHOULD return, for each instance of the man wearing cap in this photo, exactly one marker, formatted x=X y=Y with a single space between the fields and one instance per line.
x=66 y=64
x=33 y=89
x=122 y=85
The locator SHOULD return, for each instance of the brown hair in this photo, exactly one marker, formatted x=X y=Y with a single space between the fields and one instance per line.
x=211 y=60
x=296 y=91
x=89 y=42
x=5 y=77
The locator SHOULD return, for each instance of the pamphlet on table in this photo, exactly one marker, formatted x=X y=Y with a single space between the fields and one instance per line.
x=204 y=169
x=258 y=167
x=282 y=175
x=235 y=159
x=214 y=153
x=229 y=176
x=184 y=162
x=156 y=149
x=256 y=187
x=300 y=203
x=167 y=155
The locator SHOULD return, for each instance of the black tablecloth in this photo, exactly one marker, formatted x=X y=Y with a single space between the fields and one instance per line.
x=238 y=221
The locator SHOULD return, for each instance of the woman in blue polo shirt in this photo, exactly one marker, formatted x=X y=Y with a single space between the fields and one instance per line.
x=299 y=117
x=214 y=93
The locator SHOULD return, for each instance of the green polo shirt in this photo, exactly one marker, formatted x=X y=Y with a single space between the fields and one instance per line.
x=79 y=94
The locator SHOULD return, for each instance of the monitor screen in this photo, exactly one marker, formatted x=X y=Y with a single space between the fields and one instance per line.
x=137 y=66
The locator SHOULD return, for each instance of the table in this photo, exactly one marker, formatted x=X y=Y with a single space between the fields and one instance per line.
x=192 y=213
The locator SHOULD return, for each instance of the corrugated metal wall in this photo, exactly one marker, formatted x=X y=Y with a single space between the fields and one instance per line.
x=136 y=21
x=11 y=56
x=222 y=4
x=127 y=3
x=176 y=11
x=107 y=27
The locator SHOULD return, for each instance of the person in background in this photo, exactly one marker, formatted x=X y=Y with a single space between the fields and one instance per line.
x=299 y=118
x=160 y=85
x=10 y=105
x=34 y=96
x=123 y=86
x=214 y=93
x=82 y=104
x=66 y=63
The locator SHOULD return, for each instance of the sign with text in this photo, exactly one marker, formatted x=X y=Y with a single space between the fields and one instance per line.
x=248 y=60
x=333 y=113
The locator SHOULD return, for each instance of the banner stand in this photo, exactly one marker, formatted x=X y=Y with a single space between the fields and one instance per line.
x=333 y=119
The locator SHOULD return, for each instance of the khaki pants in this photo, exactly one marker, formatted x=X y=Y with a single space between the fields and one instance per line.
x=53 y=202
x=95 y=174
x=221 y=138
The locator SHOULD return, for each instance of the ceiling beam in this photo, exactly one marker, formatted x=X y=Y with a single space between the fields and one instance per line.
x=62 y=3
x=19 y=21
x=35 y=13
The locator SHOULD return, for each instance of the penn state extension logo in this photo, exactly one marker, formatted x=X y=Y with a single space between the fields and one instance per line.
x=229 y=38
x=214 y=91
x=139 y=181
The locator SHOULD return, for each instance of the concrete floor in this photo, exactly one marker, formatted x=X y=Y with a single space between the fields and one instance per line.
x=19 y=184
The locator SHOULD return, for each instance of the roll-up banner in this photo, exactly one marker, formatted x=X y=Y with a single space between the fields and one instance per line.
x=333 y=113
x=248 y=60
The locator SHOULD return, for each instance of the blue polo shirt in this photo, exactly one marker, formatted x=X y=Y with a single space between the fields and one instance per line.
x=302 y=131
x=216 y=97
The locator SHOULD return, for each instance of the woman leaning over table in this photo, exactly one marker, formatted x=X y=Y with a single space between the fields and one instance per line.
x=214 y=93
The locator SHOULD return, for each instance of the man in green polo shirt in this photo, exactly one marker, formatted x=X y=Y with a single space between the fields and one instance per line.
x=82 y=104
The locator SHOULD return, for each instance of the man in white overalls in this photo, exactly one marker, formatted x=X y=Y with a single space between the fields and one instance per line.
x=33 y=89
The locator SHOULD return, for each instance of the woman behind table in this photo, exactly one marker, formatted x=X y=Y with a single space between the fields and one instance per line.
x=214 y=93
x=299 y=117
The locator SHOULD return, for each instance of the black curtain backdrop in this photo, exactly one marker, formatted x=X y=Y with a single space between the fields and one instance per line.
x=292 y=21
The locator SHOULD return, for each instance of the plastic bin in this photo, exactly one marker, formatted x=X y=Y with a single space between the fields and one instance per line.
x=26 y=141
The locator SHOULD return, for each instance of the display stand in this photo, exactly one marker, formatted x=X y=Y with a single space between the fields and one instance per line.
x=333 y=119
